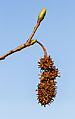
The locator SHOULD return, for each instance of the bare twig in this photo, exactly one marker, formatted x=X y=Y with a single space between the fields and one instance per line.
x=29 y=41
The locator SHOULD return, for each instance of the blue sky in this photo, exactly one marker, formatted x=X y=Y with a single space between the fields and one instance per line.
x=19 y=72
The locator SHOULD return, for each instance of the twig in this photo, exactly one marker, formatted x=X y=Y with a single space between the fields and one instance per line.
x=29 y=41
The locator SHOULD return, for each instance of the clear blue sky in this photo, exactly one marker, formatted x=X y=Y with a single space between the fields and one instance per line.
x=19 y=72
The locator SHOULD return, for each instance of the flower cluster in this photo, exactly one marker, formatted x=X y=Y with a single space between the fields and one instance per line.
x=47 y=87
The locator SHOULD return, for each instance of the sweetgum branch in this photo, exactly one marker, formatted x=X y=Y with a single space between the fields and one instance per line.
x=29 y=41
x=46 y=89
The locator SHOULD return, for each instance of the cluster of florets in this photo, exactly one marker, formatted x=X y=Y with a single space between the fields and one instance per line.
x=46 y=91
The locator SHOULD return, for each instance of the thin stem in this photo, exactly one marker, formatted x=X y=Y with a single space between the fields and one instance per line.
x=44 y=49
x=34 y=30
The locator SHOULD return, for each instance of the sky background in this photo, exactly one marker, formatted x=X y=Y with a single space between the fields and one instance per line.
x=19 y=71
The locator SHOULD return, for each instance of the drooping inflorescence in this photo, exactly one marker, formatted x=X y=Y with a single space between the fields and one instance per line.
x=46 y=91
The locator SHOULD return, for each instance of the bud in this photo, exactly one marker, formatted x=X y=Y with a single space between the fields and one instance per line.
x=33 y=41
x=41 y=15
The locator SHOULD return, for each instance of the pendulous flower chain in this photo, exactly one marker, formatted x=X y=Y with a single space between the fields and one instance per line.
x=46 y=91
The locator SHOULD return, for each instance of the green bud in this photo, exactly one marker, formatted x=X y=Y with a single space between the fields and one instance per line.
x=33 y=41
x=42 y=15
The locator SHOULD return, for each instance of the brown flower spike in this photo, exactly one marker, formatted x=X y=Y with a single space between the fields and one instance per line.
x=46 y=89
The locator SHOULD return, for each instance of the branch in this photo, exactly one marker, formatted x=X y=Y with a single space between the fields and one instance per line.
x=17 y=49
x=29 y=41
